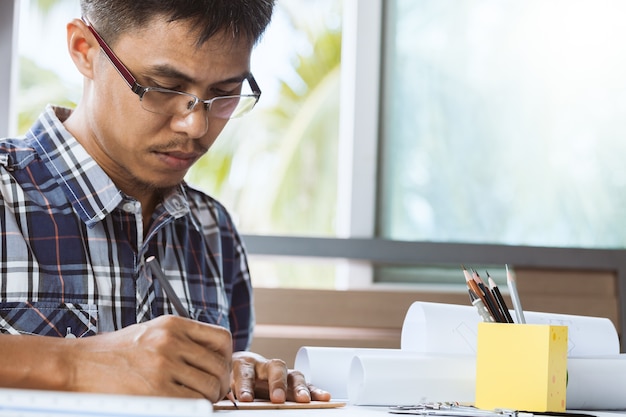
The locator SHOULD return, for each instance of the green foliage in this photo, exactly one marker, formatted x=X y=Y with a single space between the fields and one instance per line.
x=45 y=6
x=294 y=145
x=38 y=87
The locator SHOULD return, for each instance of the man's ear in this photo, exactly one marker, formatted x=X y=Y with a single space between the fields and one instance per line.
x=82 y=46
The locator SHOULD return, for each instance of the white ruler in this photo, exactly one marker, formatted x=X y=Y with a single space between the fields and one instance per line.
x=35 y=403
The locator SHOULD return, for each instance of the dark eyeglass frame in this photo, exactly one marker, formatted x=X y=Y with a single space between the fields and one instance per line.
x=140 y=90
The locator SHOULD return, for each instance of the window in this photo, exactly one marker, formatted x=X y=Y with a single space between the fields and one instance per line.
x=503 y=122
x=437 y=140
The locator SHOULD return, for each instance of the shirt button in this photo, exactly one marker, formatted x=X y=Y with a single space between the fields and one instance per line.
x=129 y=207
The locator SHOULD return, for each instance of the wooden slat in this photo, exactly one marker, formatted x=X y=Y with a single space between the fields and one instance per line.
x=586 y=293
x=564 y=282
x=353 y=308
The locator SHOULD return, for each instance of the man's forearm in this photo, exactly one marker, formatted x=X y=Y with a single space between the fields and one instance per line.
x=34 y=362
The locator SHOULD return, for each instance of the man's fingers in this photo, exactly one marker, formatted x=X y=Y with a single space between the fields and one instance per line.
x=298 y=388
x=276 y=370
x=244 y=377
x=255 y=376
x=193 y=382
x=201 y=355
x=318 y=394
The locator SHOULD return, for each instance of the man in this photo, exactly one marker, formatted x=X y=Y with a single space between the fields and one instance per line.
x=89 y=195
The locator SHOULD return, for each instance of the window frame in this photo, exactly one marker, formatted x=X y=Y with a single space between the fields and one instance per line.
x=9 y=15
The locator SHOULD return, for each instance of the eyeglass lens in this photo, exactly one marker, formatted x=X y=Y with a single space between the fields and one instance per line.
x=179 y=103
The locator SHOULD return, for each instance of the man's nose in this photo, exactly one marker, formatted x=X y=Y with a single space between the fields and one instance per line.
x=195 y=124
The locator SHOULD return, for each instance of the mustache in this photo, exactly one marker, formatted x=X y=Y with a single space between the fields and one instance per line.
x=185 y=145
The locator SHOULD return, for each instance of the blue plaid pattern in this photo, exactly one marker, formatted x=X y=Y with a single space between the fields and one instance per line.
x=72 y=246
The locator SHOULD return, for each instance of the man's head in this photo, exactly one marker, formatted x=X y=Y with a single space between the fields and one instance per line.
x=239 y=18
x=123 y=48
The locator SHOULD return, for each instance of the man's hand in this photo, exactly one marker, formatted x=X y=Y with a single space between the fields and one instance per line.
x=253 y=376
x=166 y=356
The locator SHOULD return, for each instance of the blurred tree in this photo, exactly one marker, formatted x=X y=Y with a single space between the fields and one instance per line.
x=38 y=87
x=288 y=161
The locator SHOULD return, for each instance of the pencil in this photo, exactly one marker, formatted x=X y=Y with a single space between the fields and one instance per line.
x=480 y=306
x=517 y=304
x=504 y=309
x=231 y=397
x=488 y=299
x=473 y=285
x=157 y=273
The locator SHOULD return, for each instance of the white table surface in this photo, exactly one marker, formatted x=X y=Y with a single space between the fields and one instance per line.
x=353 y=411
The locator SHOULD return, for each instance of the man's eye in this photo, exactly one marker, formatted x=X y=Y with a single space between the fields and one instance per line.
x=168 y=87
x=222 y=92
x=164 y=85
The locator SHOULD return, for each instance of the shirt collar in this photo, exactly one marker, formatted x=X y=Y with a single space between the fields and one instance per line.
x=88 y=188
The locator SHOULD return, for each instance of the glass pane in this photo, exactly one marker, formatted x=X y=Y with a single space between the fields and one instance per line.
x=274 y=272
x=504 y=122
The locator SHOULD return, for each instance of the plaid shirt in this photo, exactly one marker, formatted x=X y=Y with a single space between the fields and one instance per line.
x=72 y=246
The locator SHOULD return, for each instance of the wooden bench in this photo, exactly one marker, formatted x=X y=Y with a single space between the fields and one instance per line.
x=290 y=318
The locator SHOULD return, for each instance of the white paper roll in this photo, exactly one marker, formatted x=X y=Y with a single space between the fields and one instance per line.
x=407 y=378
x=452 y=329
x=329 y=367
x=596 y=383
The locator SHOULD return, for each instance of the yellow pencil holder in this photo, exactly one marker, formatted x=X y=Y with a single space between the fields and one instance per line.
x=521 y=367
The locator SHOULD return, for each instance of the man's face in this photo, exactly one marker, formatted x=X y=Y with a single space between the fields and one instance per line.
x=141 y=150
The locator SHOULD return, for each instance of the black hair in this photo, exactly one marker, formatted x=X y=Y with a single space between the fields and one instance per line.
x=241 y=19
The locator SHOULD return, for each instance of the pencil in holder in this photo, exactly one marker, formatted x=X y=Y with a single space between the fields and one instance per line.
x=521 y=367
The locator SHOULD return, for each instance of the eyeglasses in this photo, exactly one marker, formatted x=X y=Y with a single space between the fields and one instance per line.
x=178 y=103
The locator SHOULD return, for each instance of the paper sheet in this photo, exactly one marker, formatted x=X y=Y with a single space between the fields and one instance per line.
x=437 y=361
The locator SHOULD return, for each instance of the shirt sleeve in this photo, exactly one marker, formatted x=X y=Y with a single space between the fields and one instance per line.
x=237 y=273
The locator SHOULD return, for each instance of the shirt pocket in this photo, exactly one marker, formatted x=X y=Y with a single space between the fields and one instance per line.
x=49 y=319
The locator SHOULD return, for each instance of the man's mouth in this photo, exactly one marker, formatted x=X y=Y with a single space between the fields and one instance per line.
x=178 y=160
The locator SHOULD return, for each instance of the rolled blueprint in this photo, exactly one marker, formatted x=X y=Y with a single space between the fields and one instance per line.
x=407 y=378
x=596 y=383
x=329 y=367
x=387 y=376
x=452 y=329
